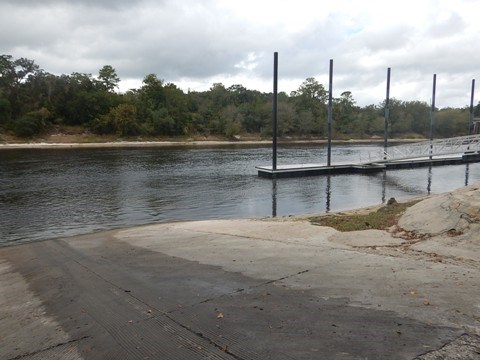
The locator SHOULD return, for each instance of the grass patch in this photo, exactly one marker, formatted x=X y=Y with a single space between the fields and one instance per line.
x=380 y=219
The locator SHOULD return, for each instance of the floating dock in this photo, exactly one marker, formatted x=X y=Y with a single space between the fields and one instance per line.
x=300 y=170
x=450 y=151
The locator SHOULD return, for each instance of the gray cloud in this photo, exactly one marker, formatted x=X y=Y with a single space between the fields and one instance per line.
x=449 y=26
x=397 y=37
x=105 y=4
x=204 y=40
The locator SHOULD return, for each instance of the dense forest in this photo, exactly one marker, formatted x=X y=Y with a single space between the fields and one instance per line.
x=33 y=101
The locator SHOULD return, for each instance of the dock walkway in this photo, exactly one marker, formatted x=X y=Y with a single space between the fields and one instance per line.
x=451 y=151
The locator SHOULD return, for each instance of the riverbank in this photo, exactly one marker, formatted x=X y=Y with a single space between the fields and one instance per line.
x=94 y=141
x=252 y=289
x=187 y=143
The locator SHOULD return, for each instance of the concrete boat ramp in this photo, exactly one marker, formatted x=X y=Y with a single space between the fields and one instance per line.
x=250 y=289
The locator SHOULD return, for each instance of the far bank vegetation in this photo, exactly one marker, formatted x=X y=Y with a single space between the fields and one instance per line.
x=34 y=102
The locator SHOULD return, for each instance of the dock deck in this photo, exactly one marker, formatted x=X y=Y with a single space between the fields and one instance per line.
x=450 y=151
x=300 y=170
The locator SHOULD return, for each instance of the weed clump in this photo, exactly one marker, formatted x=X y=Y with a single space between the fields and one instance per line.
x=381 y=219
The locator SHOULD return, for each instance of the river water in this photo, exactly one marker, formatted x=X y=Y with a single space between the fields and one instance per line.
x=49 y=193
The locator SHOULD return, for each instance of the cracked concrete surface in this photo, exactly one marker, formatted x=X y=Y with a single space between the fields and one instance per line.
x=251 y=289
x=466 y=347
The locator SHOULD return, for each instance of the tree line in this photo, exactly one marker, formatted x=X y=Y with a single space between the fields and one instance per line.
x=33 y=101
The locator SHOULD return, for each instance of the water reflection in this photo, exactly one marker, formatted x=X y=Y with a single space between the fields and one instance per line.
x=387 y=184
x=307 y=194
x=429 y=181
x=274 y=197
x=328 y=193
x=53 y=193
x=384 y=186
x=467 y=171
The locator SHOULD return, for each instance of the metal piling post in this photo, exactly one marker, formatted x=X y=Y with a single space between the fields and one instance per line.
x=470 y=121
x=330 y=109
x=387 y=115
x=275 y=109
x=432 y=113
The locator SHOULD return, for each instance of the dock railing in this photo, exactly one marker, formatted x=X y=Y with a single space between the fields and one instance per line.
x=425 y=149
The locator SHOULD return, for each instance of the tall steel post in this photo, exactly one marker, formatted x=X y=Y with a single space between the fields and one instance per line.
x=387 y=115
x=330 y=109
x=432 y=113
x=470 y=121
x=275 y=109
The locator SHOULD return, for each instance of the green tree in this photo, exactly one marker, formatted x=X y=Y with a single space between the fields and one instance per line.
x=121 y=120
x=287 y=118
x=344 y=113
x=231 y=121
x=310 y=104
x=108 y=78
x=162 y=123
x=150 y=98
x=80 y=99
x=451 y=122
x=177 y=106
x=197 y=106
x=5 y=111
x=219 y=96
x=369 y=121
x=15 y=78
x=400 y=121
x=309 y=90
x=32 y=123
x=7 y=74
x=256 y=113
x=420 y=113
x=239 y=95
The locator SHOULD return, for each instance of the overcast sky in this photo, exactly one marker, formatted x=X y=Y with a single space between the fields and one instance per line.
x=195 y=43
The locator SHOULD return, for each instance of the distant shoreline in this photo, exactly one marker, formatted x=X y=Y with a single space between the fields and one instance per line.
x=201 y=143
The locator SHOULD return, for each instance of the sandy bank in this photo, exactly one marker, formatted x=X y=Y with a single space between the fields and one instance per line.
x=167 y=144
x=127 y=144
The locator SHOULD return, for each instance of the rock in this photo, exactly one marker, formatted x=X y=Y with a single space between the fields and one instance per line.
x=452 y=212
x=391 y=201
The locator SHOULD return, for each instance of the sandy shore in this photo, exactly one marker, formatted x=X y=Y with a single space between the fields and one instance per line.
x=251 y=289
x=126 y=144
x=206 y=143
